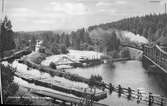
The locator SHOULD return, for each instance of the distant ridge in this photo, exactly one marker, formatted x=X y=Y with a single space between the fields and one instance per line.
x=153 y=27
x=42 y=31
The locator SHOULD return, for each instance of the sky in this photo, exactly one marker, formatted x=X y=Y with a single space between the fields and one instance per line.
x=33 y=15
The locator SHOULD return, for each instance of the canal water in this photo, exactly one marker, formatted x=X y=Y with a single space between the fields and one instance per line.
x=128 y=74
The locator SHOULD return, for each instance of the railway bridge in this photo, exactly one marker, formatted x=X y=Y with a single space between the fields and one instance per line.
x=156 y=54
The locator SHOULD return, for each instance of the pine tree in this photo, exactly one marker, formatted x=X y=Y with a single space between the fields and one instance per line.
x=33 y=42
x=6 y=36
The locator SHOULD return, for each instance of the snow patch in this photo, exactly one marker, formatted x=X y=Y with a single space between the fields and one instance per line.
x=22 y=68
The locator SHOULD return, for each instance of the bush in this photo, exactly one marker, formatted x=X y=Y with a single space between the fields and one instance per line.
x=55 y=50
x=58 y=48
x=91 y=48
x=125 y=53
x=9 y=88
x=115 y=54
x=93 y=79
x=53 y=65
x=63 y=49
x=52 y=74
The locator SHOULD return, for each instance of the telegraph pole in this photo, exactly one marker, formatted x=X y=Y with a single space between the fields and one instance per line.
x=2 y=6
x=157 y=1
x=1 y=53
x=165 y=8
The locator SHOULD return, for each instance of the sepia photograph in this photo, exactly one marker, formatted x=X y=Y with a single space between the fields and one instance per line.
x=83 y=52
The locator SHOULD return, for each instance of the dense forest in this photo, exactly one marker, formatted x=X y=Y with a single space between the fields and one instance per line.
x=153 y=27
x=56 y=42
x=59 y=42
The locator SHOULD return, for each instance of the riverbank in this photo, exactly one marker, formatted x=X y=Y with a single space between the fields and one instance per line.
x=60 y=73
x=74 y=58
x=63 y=88
x=43 y=64
x=32 y=78
x=28 y=74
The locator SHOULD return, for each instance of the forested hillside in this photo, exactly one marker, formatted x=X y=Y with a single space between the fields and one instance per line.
x=102 y=37
x=153 y=27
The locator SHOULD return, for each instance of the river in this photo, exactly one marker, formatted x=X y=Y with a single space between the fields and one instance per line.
x=128 y=74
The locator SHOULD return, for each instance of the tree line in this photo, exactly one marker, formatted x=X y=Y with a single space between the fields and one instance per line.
x=76 y=40
x=60 y=42
x=153 y=27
